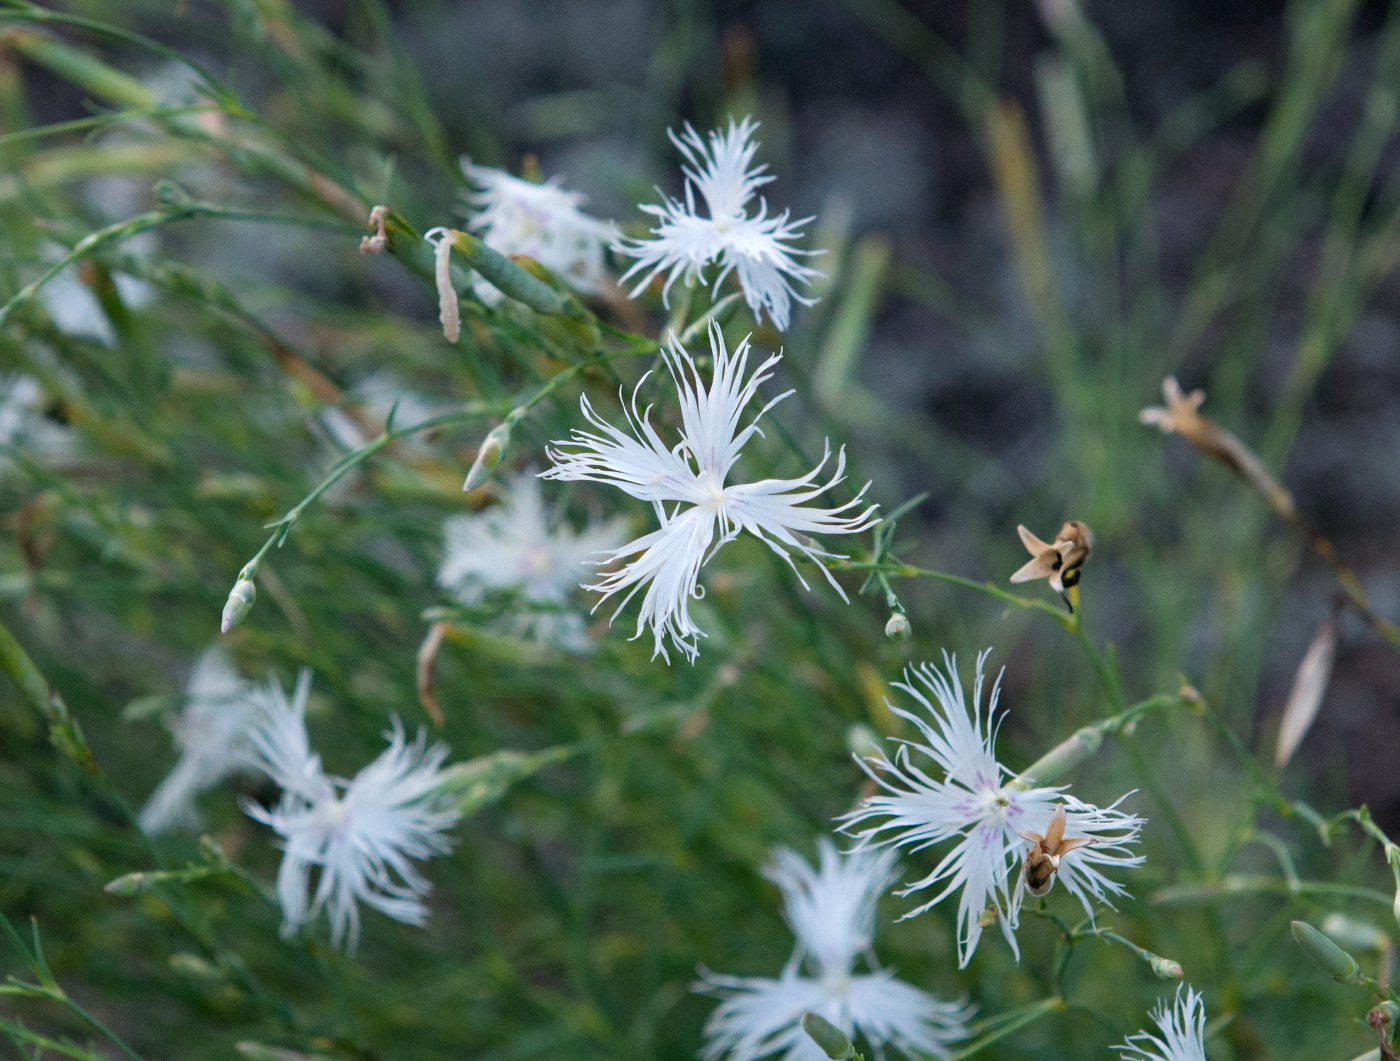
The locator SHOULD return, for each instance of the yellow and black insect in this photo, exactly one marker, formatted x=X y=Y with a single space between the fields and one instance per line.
x=1060 y=561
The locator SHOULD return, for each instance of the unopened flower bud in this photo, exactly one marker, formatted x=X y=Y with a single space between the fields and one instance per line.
x=493 y=448
x=239 y=603
x=862 y=742
x=1336 y=962
x=1166 y=968
x=897 y=629
x=835 y=1043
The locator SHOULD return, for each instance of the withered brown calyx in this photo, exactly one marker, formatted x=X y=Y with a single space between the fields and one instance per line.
x=1043 y=859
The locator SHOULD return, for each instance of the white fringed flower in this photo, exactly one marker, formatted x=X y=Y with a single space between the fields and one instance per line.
x=704 y=512
x=213 y=735
x=755 y=247
x=540 y=221
x=1183 y=1030
x=979 y=804
x=360 y=833
x=519 y=545
x=832 y=914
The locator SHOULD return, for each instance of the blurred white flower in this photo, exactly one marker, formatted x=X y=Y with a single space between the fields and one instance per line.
x=519 y=545
x=377 y=395
x=755 y=247
x=213 y=735
x=832 y=914
x=980 y=805
x=1183 y=1032
x=540 y=221
x=360 y=833
x=22 y=420
x=693 y=473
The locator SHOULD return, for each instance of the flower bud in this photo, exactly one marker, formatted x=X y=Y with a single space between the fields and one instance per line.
x=493 y=448
x=1336 y=962
x=835 y=1043
x=897 y=629
x=1166 y=968
x=239 y=603
x=862 y=742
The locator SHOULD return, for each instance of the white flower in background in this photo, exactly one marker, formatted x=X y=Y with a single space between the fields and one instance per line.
x=977 y=803
x=213 y=735
x=755 y=247
x=519 y=545
x=23 y=423
x=1183 y=1032
x=540 y=221
x=377 y=395
x=361 y=833
x=705 y=513
x=832 y=913
x=76 y=309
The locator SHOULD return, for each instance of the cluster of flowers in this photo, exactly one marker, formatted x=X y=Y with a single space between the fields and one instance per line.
x=360 y=835
x=1006 y=834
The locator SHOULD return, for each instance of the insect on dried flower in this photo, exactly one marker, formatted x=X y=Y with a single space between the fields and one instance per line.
x=1042 y=861
x=1060 y=561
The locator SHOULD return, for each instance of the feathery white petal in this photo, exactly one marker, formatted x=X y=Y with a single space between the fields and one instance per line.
x=539 y=221
x=693 y=473
x=1183 y=1029
x=213 y=733
x=755 y=247
x=360 y=835
x=972 y=804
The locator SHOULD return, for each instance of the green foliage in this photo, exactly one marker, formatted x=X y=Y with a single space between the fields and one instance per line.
x=618 y=809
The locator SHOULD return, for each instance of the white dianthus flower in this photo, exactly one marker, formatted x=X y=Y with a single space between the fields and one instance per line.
x=832 y=914
x=360 y=833
x=519 y=545
x=212 y=733
x=705 y=511
x=755 y=247
x=540 y=221
x=978 y=803
x=1183 y=1032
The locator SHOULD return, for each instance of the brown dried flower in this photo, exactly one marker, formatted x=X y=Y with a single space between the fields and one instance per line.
x=1060 y=560
x=1182 y=416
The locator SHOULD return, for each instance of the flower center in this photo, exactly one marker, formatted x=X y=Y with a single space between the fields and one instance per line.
x=535 y=562
x=334 y=815
x=711 y=489
x=836 y=982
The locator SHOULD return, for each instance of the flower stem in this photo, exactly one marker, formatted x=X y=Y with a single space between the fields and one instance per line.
x=1006 y=1023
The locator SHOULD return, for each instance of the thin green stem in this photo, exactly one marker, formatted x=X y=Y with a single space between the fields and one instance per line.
x=1243 y=884
x=1007 y=1023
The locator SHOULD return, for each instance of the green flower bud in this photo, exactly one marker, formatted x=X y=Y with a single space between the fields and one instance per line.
x=493 y=448
x=863 y=742
x=833 y=1041
x=897 y=629
x=239 y=604
x=1337 y=963
x=1166 y=968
